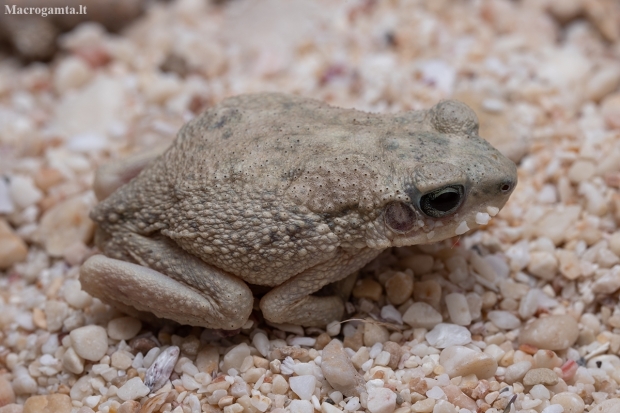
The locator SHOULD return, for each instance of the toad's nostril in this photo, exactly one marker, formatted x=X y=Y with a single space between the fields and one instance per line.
x=506 y=187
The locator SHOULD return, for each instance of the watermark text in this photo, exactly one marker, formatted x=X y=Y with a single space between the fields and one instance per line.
x=43 y=11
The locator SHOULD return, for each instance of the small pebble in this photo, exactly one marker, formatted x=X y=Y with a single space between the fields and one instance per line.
x=329 y=408
x=207 y=359
x=17 y=408
x=339 y=370
x=462 y=361
x=23 y=192
x=133 y=389
x=90 y=342
x=515 y=372
x=461 y=229
x=301 y=406
x=66 y=223
x=459 y=399
x=12 y=248
x=130 y=406
x=72 y=362
x=571 y=402
x=504 y=319
x=422 y=315
x=458 y=309
x=556 y=332
x=543 y=264
x=367 y=288
x=7 y=395
x=482 y=218
x=52 y=403
x=121 y=360
x=381 y=400
x=555 y=224
x=608 y=283
x=375 y=333
x=303 y=386
x=423 y=406
x=234 y=358
x=608 y=406
x=391 y=314
x=124 y=328
x=543 y=376
x=399 y=287
x=445 y=335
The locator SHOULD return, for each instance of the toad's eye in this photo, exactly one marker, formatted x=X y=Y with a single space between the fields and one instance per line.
x=442 y=201
x=400 y=217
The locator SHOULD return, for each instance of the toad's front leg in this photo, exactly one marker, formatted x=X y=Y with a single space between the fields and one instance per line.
x=292 y=301
x=168 y=282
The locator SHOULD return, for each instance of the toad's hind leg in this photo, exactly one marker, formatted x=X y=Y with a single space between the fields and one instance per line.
x=169 y=283
x=292 y=301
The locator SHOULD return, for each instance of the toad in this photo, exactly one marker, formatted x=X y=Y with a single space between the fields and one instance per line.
x=288 y=193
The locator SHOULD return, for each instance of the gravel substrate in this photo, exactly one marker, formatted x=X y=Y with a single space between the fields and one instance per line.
x=520 y=317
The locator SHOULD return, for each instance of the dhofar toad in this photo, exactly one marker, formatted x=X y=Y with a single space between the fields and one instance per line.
x=287 y=193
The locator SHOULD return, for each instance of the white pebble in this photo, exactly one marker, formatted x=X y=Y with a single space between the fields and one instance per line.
x=87 y=142
x=504 y=319
x=383 y=358
x=482 y=218
x=556 y=332
x=458 y=309
x=390 y=313
x=70 y=73
x=92 y=401
x=381 y=400
x=303 y=386
x=436 y=393
x=72 y=362
x=133 y=389
x=333 y=328
x=539 y=391
x=234 y=358
x=516 y=371
x=302 y=341
x=336 y=396
x=492 y=210
x=462 y=228
x=261 y=342
x=124 y=328
x=422 y=315
x=75 y=296
x=463 y=361
x=90 y=342
x=301 y=406
x=353 y=404
x=23 y=191
x=446 y=335
x=329 y=408
x=23 y=383
x=553 y=408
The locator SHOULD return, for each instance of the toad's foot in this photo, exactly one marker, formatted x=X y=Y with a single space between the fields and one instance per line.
x=170 y=283
x=292 y=303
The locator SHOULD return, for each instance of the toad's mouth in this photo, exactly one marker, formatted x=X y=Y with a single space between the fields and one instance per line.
x=429 y=230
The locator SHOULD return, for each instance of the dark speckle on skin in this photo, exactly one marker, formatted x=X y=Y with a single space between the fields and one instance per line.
x=391 y=146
